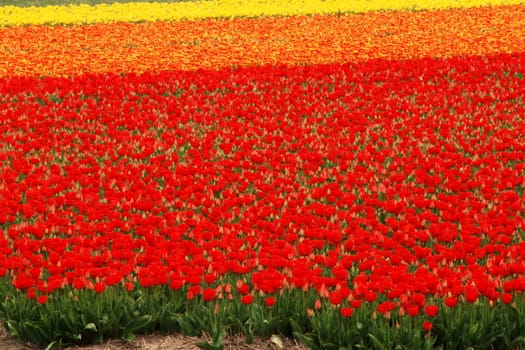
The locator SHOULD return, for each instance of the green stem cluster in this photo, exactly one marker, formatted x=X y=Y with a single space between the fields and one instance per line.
x=83 y=317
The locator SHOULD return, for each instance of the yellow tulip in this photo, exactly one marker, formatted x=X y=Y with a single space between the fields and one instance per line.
x=193 y=10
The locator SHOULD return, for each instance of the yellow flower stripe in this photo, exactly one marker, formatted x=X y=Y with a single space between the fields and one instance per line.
x=213 y=44
x=136 y=12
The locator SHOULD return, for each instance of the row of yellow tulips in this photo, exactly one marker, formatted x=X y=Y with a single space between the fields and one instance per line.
x=133 y=12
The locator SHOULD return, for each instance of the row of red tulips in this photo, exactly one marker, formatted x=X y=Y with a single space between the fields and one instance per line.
x=393 y=183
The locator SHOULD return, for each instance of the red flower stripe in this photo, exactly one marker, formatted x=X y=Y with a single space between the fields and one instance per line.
x=276 y=175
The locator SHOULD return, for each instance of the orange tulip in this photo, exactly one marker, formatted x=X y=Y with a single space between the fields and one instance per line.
x=213 y=44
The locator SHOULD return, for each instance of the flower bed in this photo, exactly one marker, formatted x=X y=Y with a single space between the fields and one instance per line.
x=345 y=200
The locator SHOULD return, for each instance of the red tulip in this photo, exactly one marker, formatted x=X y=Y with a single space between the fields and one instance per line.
x=247 y=299
x=413 y=310
x=42 y=299
x=431 y=310
x=208 y=294
x=270 y=301
x=471 y=294
x=99 y=287
x=346 y=312
x=506 y=298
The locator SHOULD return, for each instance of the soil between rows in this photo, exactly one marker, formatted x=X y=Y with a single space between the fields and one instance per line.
x=163 y=342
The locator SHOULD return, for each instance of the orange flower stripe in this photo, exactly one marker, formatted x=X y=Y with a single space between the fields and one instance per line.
x=189 y=45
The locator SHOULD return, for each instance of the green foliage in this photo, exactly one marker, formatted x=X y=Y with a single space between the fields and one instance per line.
x=481 y=326
x=329 y=330
x=84 y=317
x=70 y=317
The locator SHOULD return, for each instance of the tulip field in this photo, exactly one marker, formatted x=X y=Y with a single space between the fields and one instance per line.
x=349 y=174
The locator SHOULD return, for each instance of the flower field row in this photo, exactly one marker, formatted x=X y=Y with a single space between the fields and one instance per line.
x=271 y=180
x=189 y=45
x=191 y=10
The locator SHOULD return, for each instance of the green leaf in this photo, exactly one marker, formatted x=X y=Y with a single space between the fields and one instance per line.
x=473 y=330
x=91 y=327
x=328 y=345
x=249 y=336
x=208 y=346
x=186 y=326
x=218 y=337
x=377 y=343
x=296 y=327
x=35 y=331
x=13 y=328
x=52 y=345
x=129 y=337
x=309 y=341
x=518 y=343
x=137 y=324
